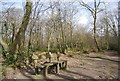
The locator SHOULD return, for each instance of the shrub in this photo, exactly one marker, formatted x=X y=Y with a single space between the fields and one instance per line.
x=113 y=47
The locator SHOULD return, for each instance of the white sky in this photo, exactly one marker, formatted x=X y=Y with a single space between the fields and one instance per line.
x=82 y=18
x=58 y=0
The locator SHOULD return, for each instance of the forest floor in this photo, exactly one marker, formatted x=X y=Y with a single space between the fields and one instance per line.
x=87 y=66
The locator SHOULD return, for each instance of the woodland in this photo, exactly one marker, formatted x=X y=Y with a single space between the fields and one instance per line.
x=54 y=27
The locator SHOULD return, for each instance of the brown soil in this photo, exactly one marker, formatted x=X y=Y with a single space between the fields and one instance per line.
x=90 y=66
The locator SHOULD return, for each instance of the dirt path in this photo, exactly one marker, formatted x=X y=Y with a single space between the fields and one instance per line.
x=92 y=66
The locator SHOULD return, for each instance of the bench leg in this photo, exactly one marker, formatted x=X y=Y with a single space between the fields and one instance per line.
x=66 y=64
x=45 y=71
x=57 y=68
x=63 y=64
x=36 y=70
x=60 y=65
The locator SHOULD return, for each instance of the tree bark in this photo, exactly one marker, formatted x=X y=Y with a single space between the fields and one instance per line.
x=94 y=12
x=95 y=34
x=20 y=37
x=119 y=26
x=13 y=31
x=3 y=43
x=95 y=17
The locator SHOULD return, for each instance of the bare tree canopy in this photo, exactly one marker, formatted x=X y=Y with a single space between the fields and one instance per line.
x=38 y=37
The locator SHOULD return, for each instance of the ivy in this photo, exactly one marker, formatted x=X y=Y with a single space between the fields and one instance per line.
x=11 y=59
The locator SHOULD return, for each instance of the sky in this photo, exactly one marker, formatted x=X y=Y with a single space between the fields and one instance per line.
x=59 y=0
x=82 y=17
x=86 y=15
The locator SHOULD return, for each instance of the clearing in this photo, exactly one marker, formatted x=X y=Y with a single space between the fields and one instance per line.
x=86 y=66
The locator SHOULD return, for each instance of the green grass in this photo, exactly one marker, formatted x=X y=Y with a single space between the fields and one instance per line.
x=63 y=68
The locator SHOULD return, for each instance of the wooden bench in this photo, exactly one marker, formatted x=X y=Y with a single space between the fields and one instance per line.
x=48 y=62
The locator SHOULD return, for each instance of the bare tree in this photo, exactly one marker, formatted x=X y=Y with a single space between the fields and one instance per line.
x=21 y=33
x=119 y=26
x=33 y=21
x=3 y=43
x=94 y=12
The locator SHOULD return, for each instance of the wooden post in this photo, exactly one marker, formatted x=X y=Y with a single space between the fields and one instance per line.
x=36 y=70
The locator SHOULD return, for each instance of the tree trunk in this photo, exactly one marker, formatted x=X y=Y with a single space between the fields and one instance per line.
x=20 y=37
x=13 y=31
x=119 y=26
x=107 y=38
x=3 y=43
x=29 y=41
x=63 y=48
x=95 y=17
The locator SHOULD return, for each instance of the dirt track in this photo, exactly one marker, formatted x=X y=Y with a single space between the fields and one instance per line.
x=92 y=66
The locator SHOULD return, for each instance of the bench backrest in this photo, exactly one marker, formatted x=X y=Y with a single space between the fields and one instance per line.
x=46 y=57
